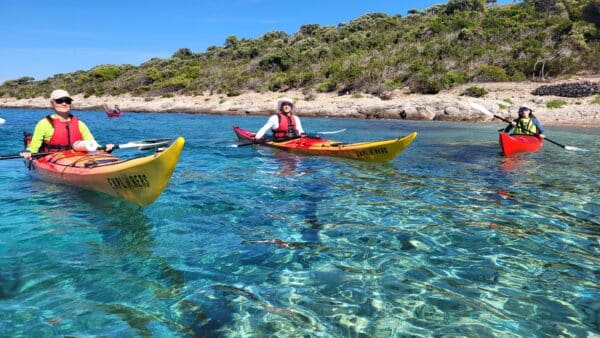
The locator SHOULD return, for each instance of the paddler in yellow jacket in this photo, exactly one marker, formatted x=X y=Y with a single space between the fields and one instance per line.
x=526 y=123
x=61 y=130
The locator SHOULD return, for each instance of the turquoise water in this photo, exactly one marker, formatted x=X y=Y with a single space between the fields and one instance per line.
x=449 y=239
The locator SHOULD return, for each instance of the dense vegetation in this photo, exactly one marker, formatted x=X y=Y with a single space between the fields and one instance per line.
x=445 y=45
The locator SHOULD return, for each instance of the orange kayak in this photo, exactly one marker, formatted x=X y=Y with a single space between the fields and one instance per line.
x=376 y=151
x=138 y=180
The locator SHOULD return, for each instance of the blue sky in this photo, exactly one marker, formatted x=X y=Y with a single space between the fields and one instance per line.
x=43 y=38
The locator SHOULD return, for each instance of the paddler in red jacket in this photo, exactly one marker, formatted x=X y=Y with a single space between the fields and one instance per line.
x=284 y=125
x=61 y=130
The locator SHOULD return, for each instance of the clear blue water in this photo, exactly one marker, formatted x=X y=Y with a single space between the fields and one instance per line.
x=449 y=239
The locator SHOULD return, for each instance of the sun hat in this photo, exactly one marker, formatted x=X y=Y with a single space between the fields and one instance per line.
x=284 y=100
x=59 y=94
x=525 y=106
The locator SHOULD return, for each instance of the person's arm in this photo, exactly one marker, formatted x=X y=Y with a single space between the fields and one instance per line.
x=511 y=126
x=538 y=125
x=299 y=125
x=43 y=132
x=86 y=135
x=272 y=123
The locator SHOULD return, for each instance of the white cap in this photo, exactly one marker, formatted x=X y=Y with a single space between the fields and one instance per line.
x=525 y=106
x=59 y=94
x=284 y=100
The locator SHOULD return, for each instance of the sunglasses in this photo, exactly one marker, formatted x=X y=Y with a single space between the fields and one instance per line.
x=63 y=100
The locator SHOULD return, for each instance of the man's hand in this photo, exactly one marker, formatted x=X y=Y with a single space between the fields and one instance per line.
x=26 y=155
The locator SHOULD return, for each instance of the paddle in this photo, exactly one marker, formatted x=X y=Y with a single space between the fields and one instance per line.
x=545 y=138
x=264 y=140
x=141 y=145
x=8 y=157
x=330 y=132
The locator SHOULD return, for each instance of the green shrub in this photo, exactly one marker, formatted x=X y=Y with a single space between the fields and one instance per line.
x=175 y=83
x=167 y=95
x=465 y=5
x=453 y=78
x=105 y=72
x=555 y=104
x=279 y=60
x=475 y=91
x=424 y=84
x=282 y=81
x=153 y=74
x=492 y=73
x=183 y=53
x=326 y=86
x=596 y=100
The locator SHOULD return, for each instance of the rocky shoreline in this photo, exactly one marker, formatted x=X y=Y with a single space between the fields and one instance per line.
x=503 y=99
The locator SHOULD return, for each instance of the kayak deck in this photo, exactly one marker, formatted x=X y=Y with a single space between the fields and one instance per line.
x=514 y=144
x=377 y=151
x=138 y=180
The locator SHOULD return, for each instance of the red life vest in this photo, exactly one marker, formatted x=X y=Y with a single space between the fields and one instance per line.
x=65 y=134
x=286 y=128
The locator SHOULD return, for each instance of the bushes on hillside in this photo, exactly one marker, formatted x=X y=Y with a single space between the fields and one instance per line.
x=429 y=50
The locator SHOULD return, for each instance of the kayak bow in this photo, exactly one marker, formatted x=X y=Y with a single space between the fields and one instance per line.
x=138 y=180
x=377 y=151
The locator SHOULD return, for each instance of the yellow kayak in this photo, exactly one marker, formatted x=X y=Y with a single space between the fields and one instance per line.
x=376 y=151
x=138 y=180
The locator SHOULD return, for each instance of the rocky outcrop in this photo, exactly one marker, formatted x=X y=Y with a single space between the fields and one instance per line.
x=576 y=89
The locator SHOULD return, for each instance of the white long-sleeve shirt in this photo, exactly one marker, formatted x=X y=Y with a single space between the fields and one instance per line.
x=273 y=123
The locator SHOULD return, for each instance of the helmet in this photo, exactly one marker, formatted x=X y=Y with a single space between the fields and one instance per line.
x=284 y=100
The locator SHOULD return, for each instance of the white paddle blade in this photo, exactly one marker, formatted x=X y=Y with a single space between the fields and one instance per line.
x=575 y=148
x=145 y=145
x=331 y=132
x=482 y=109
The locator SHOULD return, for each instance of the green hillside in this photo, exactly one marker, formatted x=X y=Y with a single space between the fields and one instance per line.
x=440 y=47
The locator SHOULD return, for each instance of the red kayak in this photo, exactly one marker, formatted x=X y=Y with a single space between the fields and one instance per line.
x=113 y=113
x=513 y=144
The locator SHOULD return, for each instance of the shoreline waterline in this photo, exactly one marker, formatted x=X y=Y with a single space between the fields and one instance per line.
x=503 y=99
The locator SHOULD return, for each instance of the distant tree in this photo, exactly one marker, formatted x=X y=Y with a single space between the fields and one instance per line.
x=465 y=5
x=24 y=80
x=231 y=41
x=183 y=53
x=310 y=29
x=544 y=6
x=18 y=82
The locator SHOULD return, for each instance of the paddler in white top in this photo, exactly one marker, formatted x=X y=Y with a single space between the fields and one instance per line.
x=284 y=125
